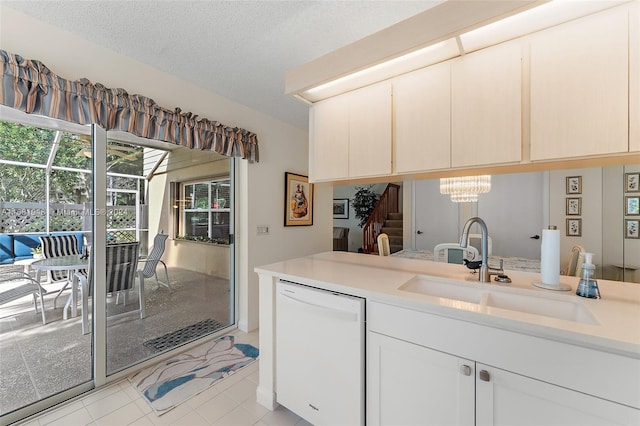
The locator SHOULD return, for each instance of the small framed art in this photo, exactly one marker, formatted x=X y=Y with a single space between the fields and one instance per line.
x=574 y=184
x=631 y=228
x=298 y=195
x=574 y=227
x=574 y=206
x=341 y=208
x=632 y=206
x=632 y=182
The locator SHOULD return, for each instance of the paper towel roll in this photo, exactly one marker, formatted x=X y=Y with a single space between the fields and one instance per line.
x=550 y=257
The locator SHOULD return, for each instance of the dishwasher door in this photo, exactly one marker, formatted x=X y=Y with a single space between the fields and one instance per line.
x=320 y=354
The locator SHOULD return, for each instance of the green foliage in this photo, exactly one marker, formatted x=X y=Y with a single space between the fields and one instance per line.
x=363 y=202
x=202 y=239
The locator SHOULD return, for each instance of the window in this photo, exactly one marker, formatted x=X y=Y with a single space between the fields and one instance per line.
x=205 y=211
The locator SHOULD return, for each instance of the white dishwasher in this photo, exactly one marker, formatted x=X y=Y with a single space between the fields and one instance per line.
x=320 y=354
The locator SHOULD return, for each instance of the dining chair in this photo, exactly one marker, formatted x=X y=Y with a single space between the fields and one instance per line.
x=152 y=260
x=16 y=284
x=475 y=240
x=453 y=253
x=57 y=246
x=383 y=245
x=121 y=267
x=576 y=259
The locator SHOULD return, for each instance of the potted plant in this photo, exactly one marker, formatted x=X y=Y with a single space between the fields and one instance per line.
x=37 y=253
x=363 y=202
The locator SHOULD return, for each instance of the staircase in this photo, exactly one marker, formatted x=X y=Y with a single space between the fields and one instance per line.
x=393 y=228
x=384 y=219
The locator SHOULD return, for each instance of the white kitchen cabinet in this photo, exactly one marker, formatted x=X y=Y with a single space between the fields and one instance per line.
x=370 y=131
x=422 y=119
x=507 y=399
x=634 y=77
x=580 y=87
x=329 y=139
x=351 y=134
x=486 y=104
x=416 y=369
x=408 y=384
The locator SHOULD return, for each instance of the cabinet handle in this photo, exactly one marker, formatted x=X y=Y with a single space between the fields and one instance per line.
x=465 y=370
x=484 y=375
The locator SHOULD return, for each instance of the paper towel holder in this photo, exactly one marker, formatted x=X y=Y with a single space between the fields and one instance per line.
x=555 y=287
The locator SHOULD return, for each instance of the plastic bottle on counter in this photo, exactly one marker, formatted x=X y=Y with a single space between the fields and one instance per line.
x=588 y=286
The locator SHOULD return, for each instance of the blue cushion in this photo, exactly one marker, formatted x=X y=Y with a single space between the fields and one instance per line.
x=6 y=248
x=22 y=245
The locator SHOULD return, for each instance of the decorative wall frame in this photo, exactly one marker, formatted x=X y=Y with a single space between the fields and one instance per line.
x=298 y=196
x=574 y=185
x=631 y=228
x=632 y=182
x=632 y=206
x=341 y=208
x=574 y=227
x=574 y=206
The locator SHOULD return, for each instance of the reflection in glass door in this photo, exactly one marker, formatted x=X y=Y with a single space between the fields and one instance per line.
x=167 y=262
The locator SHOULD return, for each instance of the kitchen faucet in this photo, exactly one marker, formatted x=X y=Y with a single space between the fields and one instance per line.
x=485 y=270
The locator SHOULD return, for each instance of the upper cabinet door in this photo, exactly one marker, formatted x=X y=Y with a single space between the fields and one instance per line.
x=634 y=77
x=370 y=131
x=329 y=139
x=580 y=87
x=486 y=106
x=422 y=119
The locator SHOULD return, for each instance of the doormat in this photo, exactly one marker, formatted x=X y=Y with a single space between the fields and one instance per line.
x=178 y=337
x=175 y=380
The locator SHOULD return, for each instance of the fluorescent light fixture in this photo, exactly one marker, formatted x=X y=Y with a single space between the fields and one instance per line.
x=544 y=16
x=402 y=64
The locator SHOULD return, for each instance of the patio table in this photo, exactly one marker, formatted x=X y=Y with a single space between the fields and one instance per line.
x=71 y=264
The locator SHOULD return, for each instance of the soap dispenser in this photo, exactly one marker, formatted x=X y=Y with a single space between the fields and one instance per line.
x=588 y=286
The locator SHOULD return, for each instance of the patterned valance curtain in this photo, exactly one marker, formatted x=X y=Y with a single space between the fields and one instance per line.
x=28 y=85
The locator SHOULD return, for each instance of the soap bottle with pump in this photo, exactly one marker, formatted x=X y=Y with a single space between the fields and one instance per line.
x=588 y=286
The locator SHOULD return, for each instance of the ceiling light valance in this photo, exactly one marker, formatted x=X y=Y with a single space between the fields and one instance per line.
x=29 y=86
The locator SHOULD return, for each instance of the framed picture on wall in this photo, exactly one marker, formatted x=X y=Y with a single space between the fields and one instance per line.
x=631 y=228
x=574 y=206
x=632 y=206
x=298 y=196
x=632 y=182
x=341 y=208
x=574 y=184
x=574 y=227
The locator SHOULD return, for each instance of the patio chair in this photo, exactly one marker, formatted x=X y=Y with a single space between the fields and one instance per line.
x=122 y=263
x=56 y=246
x=151 y=262
x=28 y=286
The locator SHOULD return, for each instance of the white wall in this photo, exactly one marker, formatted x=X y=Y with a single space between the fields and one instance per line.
x=512 y=211
x=282 y=146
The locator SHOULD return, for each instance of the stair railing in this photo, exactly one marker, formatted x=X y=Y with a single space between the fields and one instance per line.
x=388 y=203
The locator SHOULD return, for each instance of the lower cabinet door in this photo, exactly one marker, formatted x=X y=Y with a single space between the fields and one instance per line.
x=408 y=384
x=505 y=398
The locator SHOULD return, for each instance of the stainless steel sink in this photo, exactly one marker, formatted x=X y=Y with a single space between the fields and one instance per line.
x=491 y=296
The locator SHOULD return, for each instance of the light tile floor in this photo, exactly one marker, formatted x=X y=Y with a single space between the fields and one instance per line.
x=230 y=402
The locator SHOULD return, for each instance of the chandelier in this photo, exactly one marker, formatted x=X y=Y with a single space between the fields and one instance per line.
x=465 y=189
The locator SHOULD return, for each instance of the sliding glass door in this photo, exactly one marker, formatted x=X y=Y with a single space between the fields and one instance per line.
x=157 y=224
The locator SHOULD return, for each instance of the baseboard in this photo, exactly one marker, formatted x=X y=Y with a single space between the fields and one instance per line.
x=266 y=398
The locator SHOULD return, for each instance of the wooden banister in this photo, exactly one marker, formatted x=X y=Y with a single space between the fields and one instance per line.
x=388 y=203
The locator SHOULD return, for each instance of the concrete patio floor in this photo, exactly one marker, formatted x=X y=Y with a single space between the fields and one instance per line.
x=37 y=361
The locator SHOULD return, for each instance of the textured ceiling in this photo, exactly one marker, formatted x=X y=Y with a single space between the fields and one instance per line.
x=238 y=49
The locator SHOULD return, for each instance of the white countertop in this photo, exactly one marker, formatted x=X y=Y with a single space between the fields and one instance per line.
x=379 y=278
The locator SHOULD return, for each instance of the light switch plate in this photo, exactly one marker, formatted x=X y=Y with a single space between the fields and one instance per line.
x=262 y=229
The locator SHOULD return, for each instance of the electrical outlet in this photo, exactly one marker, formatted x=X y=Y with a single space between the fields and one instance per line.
x=263 y=229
